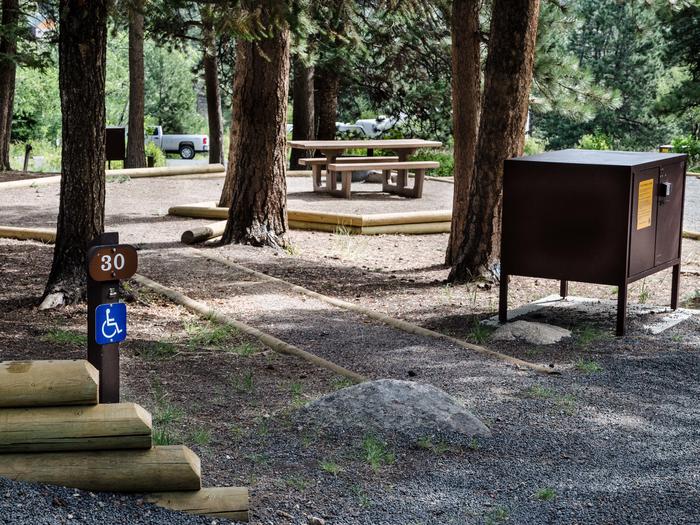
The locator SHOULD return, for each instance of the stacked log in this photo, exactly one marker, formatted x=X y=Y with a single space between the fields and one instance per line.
x=54 y=431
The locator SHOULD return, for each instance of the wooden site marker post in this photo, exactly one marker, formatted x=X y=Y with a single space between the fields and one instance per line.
x=107 y=263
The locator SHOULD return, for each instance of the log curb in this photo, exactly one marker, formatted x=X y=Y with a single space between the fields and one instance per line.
x=268 y=340
x=391 y=321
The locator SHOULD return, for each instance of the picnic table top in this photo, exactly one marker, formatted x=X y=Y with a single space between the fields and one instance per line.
x=392 y=144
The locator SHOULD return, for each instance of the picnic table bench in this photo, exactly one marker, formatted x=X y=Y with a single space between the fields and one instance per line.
x=337 y=165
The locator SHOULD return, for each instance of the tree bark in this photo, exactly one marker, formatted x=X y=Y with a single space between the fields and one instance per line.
x=466 y=96
x=507 y=83
x=211 y=83
x=303 y=118
x=8 y=69
x=82 y=46
x=327 y=84
x=255 y=187
x=135 y=147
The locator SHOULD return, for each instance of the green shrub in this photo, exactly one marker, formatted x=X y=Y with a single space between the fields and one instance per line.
x=598 y=140
x=154 y=151
x=533 y=146
x=444 y=157
x=688 y=145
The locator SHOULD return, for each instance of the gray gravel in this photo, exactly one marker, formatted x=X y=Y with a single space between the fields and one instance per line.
x=24 y=503
x=617 y=444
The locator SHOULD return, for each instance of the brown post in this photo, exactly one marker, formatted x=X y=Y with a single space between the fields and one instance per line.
x=564 y=289
x=103 y=357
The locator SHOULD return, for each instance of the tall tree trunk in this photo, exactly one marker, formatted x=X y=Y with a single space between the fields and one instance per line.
x=507 y=83
x=8 y=68
x=135 y=147
x=82 y=47
x=303 y=118
x=255 y=187
x=211 y=83
x=466 y=95
x=327 y=89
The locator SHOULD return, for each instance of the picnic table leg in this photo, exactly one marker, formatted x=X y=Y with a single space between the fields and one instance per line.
x=417 y=191
x=347 y=184
x=331 y=186
x=386 y=181
x=316 y=172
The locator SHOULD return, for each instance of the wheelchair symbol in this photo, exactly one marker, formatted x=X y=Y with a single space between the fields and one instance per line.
x=110 y=323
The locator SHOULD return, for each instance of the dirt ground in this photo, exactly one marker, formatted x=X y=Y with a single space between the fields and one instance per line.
x=234 y=401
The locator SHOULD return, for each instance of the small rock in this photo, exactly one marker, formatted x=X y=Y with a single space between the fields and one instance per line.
x=313 y=520
x=530 y=332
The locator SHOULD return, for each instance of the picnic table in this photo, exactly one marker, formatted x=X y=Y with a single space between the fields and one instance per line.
x=334 y=163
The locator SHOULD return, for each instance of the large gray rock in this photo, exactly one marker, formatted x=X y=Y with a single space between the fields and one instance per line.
x=393 y=407
x=533 y=333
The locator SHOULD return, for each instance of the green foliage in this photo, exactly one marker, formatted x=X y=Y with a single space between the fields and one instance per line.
x=545 y=494
x=60 y=336
x=208 y=334
x=331 y=467
x=376 y=452
x=588 y=367
x=158 y=350
x=688 y=145
x=597 y=140
x=154 y=151
x=444 y=157
x=44 y=157
x=170 y=87
x=37 y=105
x=533 y=145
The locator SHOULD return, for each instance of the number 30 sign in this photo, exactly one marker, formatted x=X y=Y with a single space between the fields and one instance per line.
x=112 y=263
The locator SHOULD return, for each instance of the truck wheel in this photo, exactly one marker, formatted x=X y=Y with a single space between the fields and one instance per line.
x=187 y=151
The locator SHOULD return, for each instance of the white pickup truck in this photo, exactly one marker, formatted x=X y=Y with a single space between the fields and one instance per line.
x=186 y=145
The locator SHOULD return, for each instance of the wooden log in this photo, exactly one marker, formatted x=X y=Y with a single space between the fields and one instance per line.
x=28 y=234
x=167 y=171
x=29 y=183
x=322 y=227
x=411 y=217
x=203 y=233
x=199 y=211
x=158 y=469
x=691 y=235
x=217 y=502
x=268 y=340
x=379 y=316
x=53 y=429
x=47 y=383
x=408 y=229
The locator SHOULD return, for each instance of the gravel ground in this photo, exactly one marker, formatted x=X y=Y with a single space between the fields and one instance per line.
x=24 y=503
x=611 y=440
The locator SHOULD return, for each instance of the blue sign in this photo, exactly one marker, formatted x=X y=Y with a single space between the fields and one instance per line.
x=110 y=323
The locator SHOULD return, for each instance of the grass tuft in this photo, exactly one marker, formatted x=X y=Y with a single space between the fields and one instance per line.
x=64 y=337
x=331 y=467
x=376 y=452
x=158 y=350
x=426 y=443
x=588 y=367
x=545 y=494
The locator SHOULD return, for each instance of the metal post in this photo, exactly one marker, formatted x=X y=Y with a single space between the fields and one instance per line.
x=675 y=284
x=27 y=152
x=103 y=357
x=621 y=309
x=503 y=298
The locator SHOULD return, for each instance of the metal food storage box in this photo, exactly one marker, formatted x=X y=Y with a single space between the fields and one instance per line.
x=605 y=217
